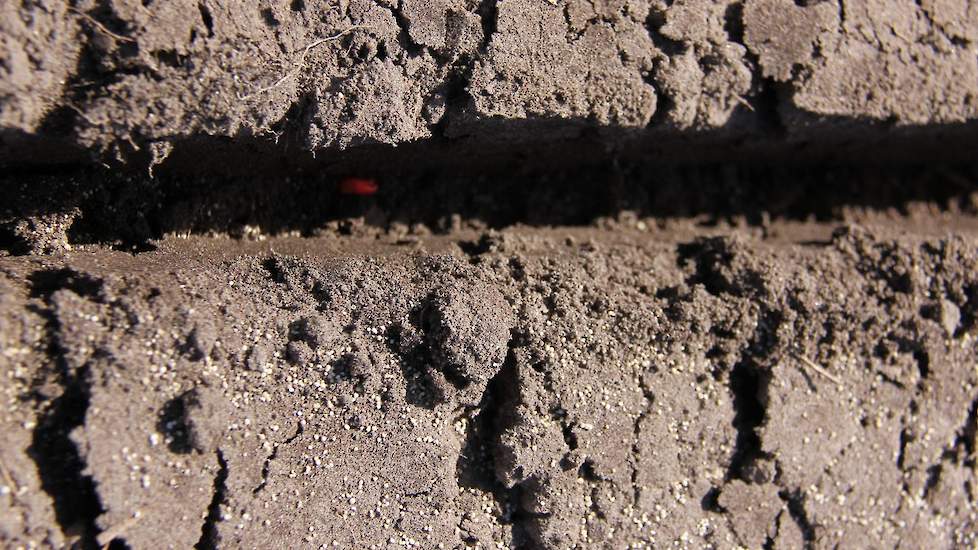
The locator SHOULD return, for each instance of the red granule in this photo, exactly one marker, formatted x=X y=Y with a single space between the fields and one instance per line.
x=358 y=186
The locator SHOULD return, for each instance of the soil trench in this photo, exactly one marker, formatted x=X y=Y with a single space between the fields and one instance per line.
x=510 y=274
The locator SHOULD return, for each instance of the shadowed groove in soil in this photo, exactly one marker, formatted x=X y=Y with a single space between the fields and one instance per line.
x=173 y=424
x=476 y=468
x=266 y=467
x=76 y=502
x=747 y=384
x=208 y=531
x=59 y=463
x=969 y=434
x=795 y=500
x=130 y=212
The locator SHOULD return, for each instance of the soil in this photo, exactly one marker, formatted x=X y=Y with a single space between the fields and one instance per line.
x=124 y=82
x=625 y=274
x=629 y=382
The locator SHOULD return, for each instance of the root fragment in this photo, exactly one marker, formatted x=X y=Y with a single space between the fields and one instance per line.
x=812 y=365
x=301 y=63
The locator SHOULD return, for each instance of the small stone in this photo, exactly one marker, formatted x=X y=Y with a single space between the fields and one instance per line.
x=950 y=317
x=258 y=357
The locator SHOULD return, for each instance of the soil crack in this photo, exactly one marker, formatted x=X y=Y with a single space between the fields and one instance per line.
x=410 y=46
x=476 y=465
x=747 y=384
x=966 y=438
x=961 y=451
x=667 y=48
x=649 y=398
x=208 y=531
x=266 y=468
x=766 y=99
x=488 y=14
x=59 y=463
x=795 y=500
x=772 y=536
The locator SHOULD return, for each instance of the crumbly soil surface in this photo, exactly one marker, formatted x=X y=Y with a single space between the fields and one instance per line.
x=629 y=382
x=611 y=292
x=139 y=82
